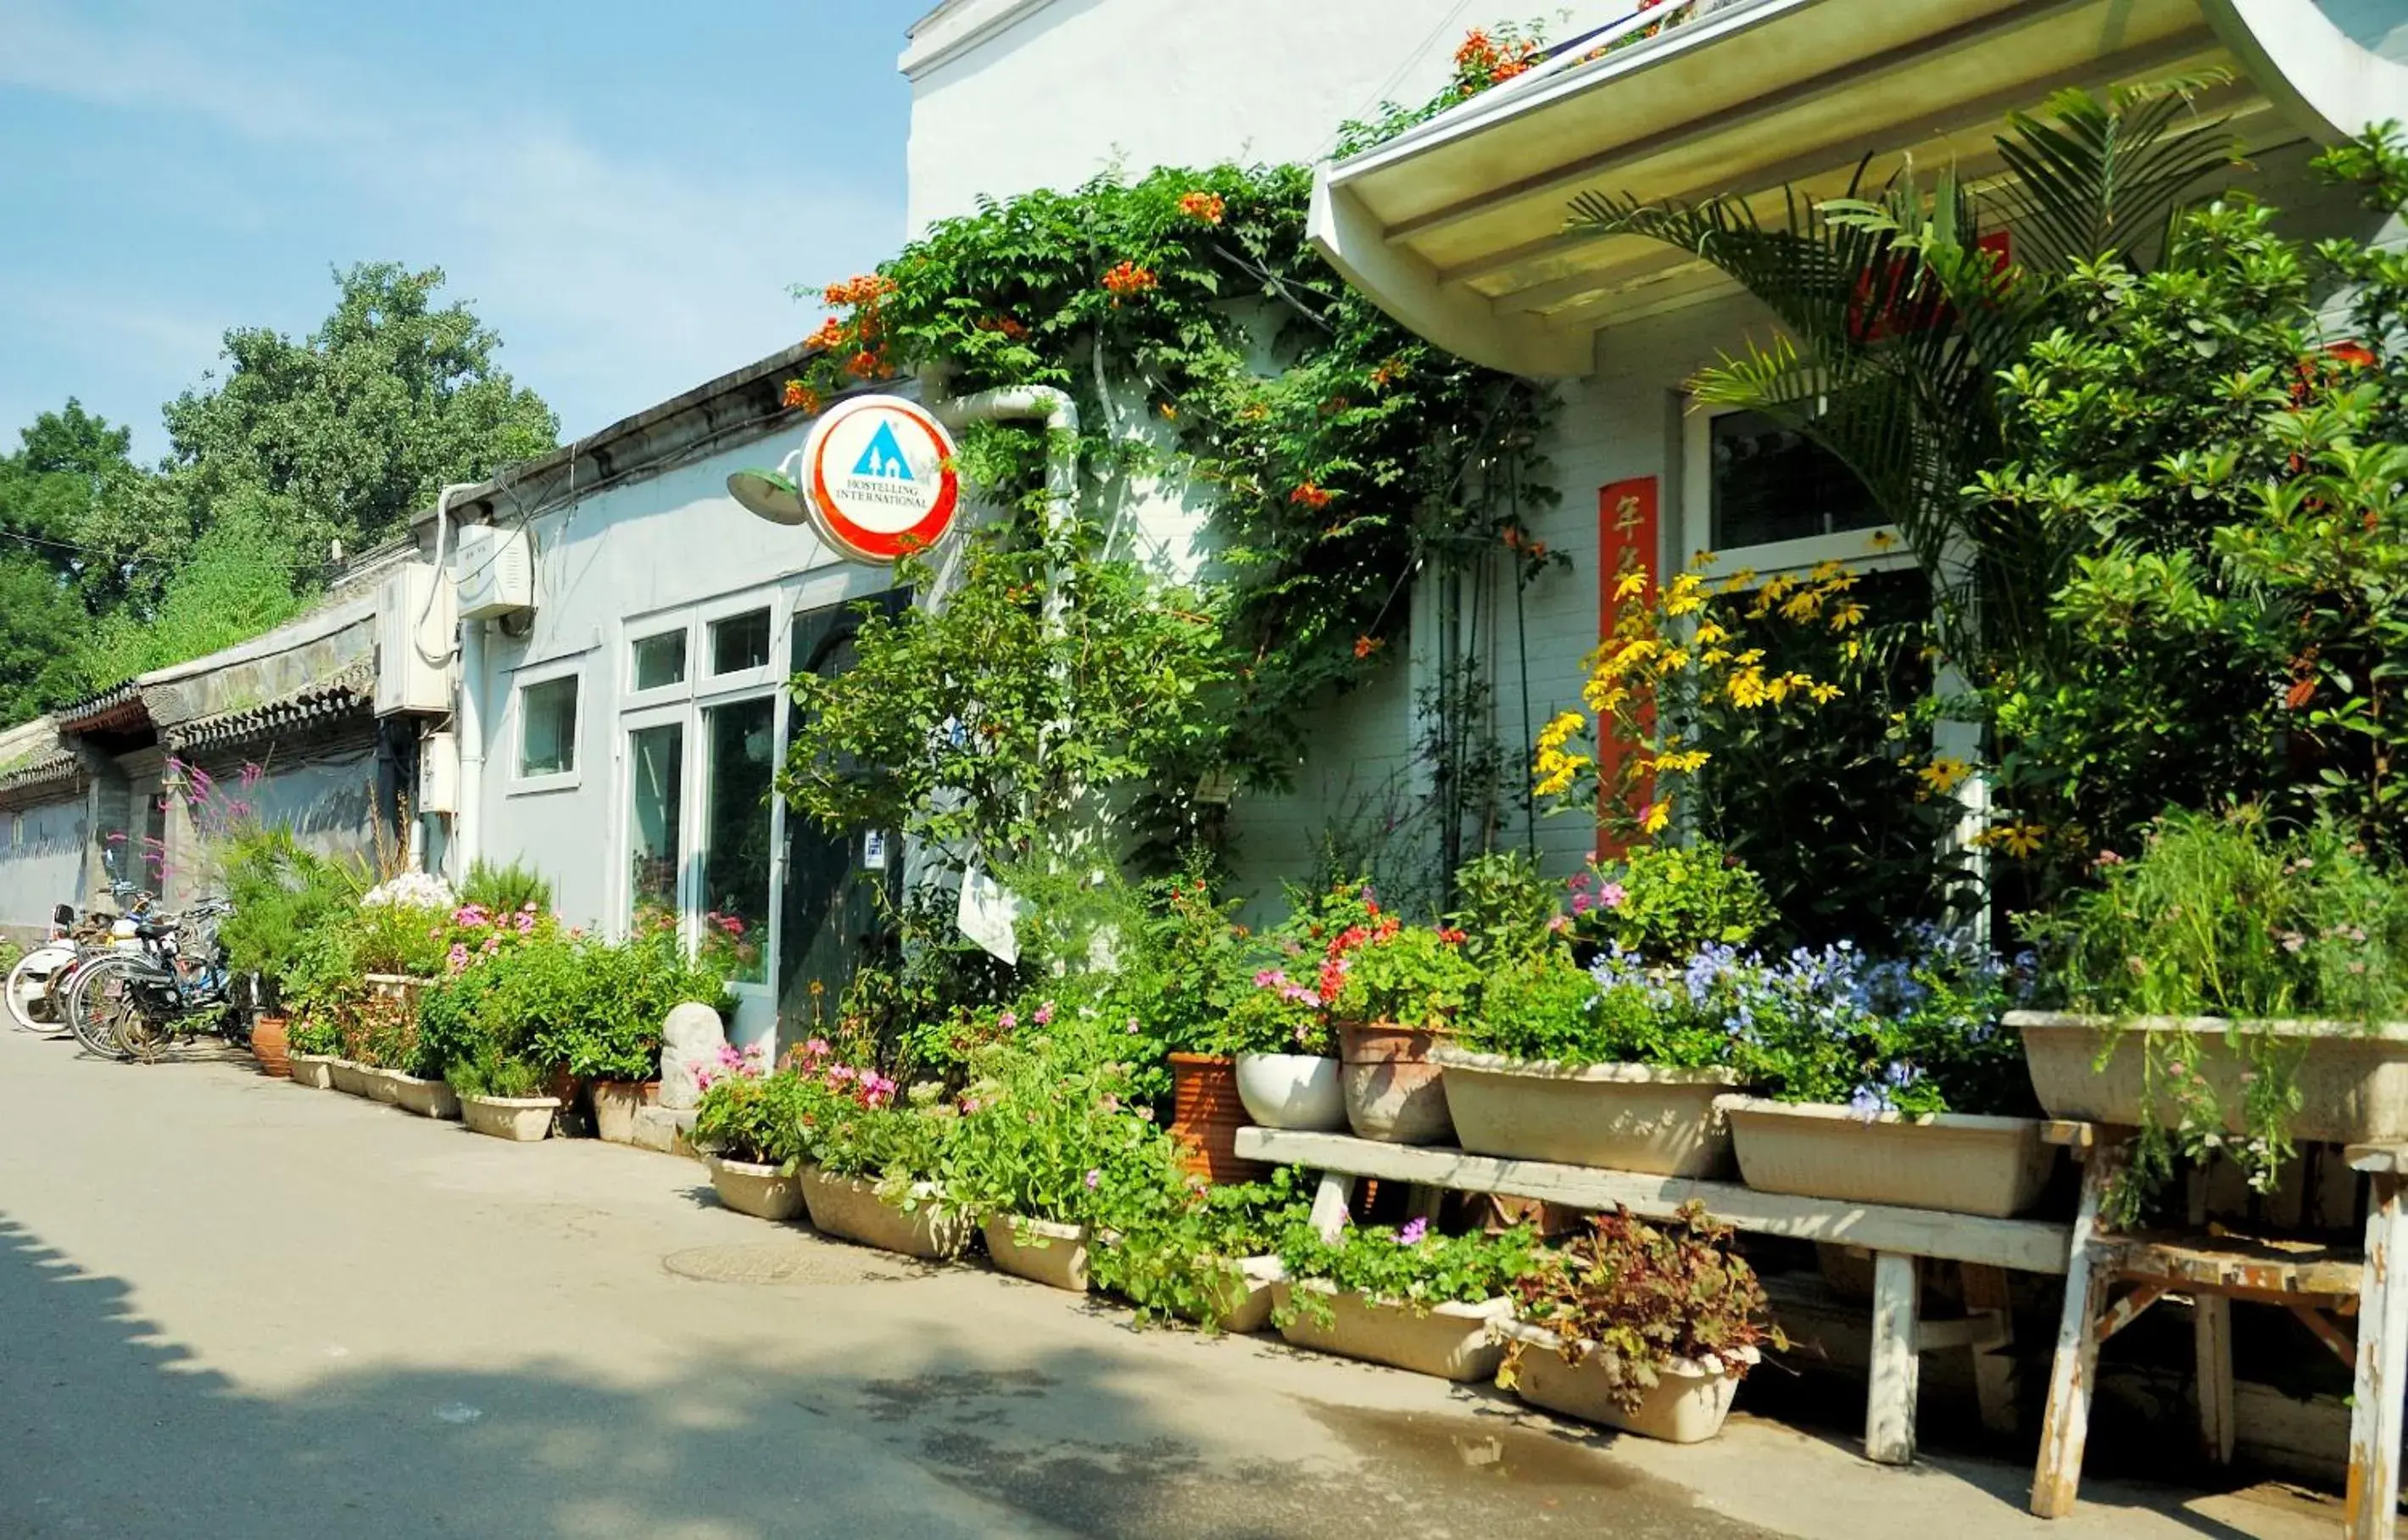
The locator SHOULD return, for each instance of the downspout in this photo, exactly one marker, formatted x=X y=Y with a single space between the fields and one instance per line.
x=464 y=822
x=465 y=825
x=1060 y=415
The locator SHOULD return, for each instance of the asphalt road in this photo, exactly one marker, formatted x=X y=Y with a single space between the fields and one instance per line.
x=230 y=1307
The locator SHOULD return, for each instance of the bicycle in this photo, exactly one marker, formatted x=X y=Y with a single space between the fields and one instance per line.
x=174 y=986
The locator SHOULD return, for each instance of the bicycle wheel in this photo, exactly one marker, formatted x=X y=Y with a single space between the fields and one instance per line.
x=34 y=988
x=100 y=998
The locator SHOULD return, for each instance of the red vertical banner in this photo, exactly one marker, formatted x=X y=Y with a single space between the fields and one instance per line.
x=1628 y=541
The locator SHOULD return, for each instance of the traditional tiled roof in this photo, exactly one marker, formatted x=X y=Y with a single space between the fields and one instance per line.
x=351 y=691
x=39 y=771
x=118 y=706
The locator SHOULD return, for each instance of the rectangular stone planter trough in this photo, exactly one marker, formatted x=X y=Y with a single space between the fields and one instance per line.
x=522 y=1119
x=425 y=1096
x=851 y=1207
x=1955 y=1162
x=2353 y=1080
x=1686 y=1404
x=1618 y=1116
x=314 y=1071
x=1039 y=1250
x=1454 y=1341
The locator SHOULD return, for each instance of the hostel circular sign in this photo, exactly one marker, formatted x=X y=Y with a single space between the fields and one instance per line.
x=879 y=479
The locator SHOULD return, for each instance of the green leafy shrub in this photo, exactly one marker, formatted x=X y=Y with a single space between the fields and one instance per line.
x=2221 y=916
x=1410 y=1266
x=1182 y=1260
x=1540 y=1006
x=1049 y=1129
x=753 y=1118
x=494 y=1073
x=1411 y=977
x=1506 y=909
x=1664 y=902
x=281 y=891
x=1637 y=1297
x=506 y=890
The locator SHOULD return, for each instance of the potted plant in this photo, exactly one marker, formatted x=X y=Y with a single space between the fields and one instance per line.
x=1286 y=1057
x=1405 y=1296
x=1619 y=1066
x=1198 y=952
x=1640 y=1327
x=314 y=1046
x=1051 y=1148
x=281 y=892
x=1890 y=1081
x=875 y=1166
x=2227 y=990
x=502 y=1096
x=1209 y=1258
x=751 y=1127
x=630 y=990
x=1392 y=990
x=1615 y=1067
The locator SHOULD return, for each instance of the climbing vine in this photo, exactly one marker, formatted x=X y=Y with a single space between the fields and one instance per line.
x=1207 y=344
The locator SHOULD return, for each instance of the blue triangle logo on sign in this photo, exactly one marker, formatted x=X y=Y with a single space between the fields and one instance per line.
x=883 y=458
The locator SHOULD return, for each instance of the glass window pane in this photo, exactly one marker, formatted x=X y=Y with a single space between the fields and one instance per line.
x=659 y=660
x=1771 y=483
x=655 y=797
x=739 y=642
x=548 y=727
x=736 y=837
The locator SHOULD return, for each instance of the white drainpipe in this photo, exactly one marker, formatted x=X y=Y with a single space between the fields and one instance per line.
x=471 y=653
x=1060 y=415
x=467 y=825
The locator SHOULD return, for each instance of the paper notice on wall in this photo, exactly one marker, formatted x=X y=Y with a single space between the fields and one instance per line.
x=873 y=851
x=989 y=914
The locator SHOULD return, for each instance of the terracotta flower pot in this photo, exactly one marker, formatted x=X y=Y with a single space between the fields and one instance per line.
x=1206 y=1115
x=1393 y=1093
x=271 y=1045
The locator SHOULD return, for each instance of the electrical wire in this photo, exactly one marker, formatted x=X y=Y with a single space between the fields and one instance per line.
x=1395 y=77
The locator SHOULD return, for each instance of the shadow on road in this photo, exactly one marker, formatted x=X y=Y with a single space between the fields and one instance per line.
x=113 y=1431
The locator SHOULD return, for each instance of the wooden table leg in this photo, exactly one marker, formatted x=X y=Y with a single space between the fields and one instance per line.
x=1889 y=1402
x=2211 y=1333
x=2067 y=1426
x=1994 y=1365
x=1329 y=1203
x=2374 y=1422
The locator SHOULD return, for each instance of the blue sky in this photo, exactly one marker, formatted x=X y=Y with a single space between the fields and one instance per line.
x=622 y=190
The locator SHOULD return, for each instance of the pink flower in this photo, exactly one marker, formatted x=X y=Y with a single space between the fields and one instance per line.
x=1095 y=1180
x=1413 y=1232
x=1007 y=1021
x=1146 y=1113
x=527 y=921
x=1582 y=903
x=1044 y=1016
x=458 y=957
x=1111 y=1103
x=840 y=1072
x=1560 y=924
x=1611 y=895
x=492 y=944
x=817 y=1047
x=1270 y=978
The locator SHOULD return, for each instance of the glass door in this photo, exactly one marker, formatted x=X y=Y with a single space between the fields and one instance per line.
x=739 y=740
x=833 y=917
x=655 y=819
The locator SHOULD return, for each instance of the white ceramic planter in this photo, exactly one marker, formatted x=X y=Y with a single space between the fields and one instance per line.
x=1958 y=1162
x=765 y=1192
x=521 y=1118
x=1456 y=1341
x=1052 y=1254
x=1686 y=1404
x=616 y=1102
x=851 y=1207
x=349 y=1078
x=1619 y=1117
x=1297 y=1091
x=2353 y=1081
x=427 y=1098
x=315 y=1070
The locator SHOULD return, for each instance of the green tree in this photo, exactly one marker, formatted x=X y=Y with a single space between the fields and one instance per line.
x=351 y=430
x=241 y=577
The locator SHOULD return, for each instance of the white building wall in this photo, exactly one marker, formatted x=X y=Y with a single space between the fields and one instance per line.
x=1009 y=96
x=658 y=545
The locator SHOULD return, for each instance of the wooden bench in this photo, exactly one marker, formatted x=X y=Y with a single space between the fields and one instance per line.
x=2323 y=1286
x=1985 y=1248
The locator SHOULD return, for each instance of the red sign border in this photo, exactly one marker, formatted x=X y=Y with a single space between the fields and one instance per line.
x=868 y=545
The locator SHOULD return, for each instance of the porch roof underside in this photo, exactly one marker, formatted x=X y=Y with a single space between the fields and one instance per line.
x=1458 y=227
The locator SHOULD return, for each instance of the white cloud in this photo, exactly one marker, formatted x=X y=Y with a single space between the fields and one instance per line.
x=615 y=280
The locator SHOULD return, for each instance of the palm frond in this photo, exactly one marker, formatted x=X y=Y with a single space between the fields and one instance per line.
x=2097 y=176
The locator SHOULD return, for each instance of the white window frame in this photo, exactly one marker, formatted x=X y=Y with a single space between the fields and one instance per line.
x=1879 y=548
x=685 y=703
x=646 y=628
x=581 y=748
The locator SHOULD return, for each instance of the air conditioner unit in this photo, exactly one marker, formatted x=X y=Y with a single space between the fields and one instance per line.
x=415 y=616
x=497 y=572
x=439 y=773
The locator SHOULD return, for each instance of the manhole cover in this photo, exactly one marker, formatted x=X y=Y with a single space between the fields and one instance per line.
x=802 y=1262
